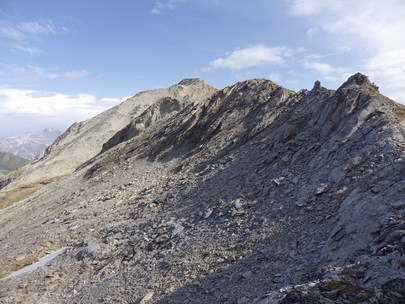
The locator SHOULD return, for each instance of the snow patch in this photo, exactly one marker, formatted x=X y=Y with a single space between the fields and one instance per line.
x=42 y=262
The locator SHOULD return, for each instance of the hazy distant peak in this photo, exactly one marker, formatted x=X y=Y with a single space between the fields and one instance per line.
x=51 y=130
x=30 y=144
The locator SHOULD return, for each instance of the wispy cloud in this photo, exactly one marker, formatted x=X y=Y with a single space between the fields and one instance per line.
x=10 y=32
x=38 y=72
x=28 y=50
x=26 y=30
x=37 y=28
x=23 y=35
x=257 y=55
x=163 y=5
x=70 y=75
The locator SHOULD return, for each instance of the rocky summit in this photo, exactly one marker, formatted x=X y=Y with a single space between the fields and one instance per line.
x=250 y=194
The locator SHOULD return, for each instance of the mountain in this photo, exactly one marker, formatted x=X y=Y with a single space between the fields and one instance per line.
x=256 y=194
x=84 y=140
x=29 y=145
x=10 y=162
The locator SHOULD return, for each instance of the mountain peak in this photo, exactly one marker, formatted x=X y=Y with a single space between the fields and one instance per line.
x=360 y=80
x=190 y=81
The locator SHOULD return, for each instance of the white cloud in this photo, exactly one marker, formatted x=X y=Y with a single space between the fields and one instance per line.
x=43 y=103
x=163 y=5
x=370 y=29
x=367 y=21
x=389 y=65
x=257 y=55
x=322 y=68
x=114 y=100
x=41 y=109
x=304 y=8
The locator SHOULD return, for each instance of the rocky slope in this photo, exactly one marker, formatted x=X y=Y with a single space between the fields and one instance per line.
x=257 y=194
x=30 y=144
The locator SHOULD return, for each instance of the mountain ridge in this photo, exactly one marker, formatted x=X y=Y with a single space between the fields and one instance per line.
x=257 y=194
x=84 y=140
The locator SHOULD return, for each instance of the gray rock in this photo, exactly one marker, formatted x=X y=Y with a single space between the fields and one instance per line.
x=146 y=298
x=322 y=188
x=244 y=300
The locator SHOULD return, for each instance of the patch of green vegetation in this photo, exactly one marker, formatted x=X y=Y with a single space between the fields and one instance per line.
x=400 y=111
x=359 y=298
x=12 y=196
x=9 y=197
x=354 y=293
x=373 y=92
x=9 y=162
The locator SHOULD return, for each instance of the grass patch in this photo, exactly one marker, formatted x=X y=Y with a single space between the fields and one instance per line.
x=400 y=111
x=12 y=196
x=9 y=197
x=353 y=293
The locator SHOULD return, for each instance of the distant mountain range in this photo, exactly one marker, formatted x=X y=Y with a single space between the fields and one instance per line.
x=10 y=162
x=29 y=145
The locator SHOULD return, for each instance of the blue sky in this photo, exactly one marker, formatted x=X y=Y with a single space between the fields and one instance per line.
x=66 y=61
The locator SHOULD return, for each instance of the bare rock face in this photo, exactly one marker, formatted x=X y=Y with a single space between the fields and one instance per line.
x=257 y=194
x=163 y=108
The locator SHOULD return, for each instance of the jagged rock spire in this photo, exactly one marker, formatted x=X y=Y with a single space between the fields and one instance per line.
x=317 y=85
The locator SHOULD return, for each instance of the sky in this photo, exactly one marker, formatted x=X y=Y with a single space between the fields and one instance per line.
x=66 y=61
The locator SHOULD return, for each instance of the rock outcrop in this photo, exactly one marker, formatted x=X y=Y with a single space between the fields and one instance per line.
x=257 y=194
x=163 y=108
